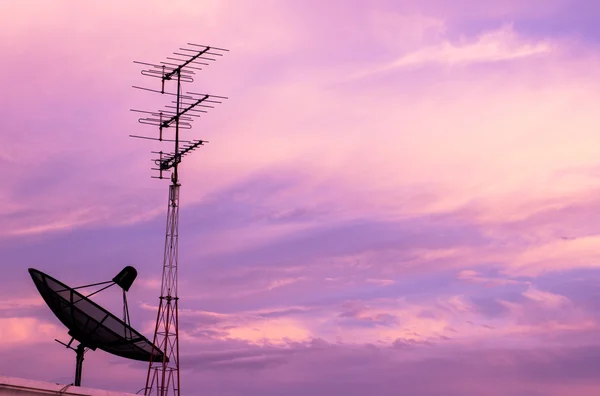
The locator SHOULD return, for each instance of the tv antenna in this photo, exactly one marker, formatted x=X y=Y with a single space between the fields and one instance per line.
x=90 y=324
x=163 y=374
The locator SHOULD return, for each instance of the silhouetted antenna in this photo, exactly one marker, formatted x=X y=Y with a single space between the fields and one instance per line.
x=178 y=114
x=181 y=112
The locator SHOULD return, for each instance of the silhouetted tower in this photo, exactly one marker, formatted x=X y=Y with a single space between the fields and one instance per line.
x=163 y=375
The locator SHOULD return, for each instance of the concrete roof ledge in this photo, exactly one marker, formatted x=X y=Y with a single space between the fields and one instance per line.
x=20 y=387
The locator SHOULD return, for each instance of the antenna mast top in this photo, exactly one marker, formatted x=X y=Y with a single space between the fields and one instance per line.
x=179 y=113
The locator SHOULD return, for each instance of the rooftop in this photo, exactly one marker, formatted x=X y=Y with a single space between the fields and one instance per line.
x=22 y=387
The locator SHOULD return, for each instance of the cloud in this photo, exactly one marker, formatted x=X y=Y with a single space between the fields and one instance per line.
x=320 y=368
x=283 y=282
x=20 y=303
x=266 y=327
x=473 y=276
x=24 y=330
x=545 y=298
x=381 y=282
x=503 y=44
x=557 y=255
x=408 y=344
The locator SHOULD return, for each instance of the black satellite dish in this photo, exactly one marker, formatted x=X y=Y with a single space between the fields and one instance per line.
x=93 y=326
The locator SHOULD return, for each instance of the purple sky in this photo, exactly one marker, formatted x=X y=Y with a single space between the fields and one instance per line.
x=399 y=197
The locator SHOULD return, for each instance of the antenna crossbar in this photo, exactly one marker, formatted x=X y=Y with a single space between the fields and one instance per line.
x=178 y=69
x=175 y=158
x=177 y=116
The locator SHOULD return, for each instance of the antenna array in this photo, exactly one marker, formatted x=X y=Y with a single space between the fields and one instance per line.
x=181 y=112
x=163 y=376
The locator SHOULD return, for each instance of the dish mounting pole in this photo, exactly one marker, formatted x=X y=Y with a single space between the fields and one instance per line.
x=79 y=357
x=80 y=352
x=163 y=376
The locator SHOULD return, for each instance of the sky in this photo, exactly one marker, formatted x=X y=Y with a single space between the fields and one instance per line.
x=398 y=197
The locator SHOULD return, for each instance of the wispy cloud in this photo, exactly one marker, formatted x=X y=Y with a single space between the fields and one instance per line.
x=473 y=276
x=546 y=298
x=381 y=282
x=503 y=44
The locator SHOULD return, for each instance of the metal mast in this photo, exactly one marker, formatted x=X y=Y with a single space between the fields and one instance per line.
x=163 y=376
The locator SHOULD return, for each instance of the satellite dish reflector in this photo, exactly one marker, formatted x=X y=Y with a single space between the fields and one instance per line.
x=126 y=277
x=93 y=326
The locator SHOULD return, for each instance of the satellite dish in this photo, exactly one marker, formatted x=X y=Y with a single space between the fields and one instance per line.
x=93 y=326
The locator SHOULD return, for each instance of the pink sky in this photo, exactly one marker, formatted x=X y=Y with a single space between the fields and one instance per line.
x=398 y=197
